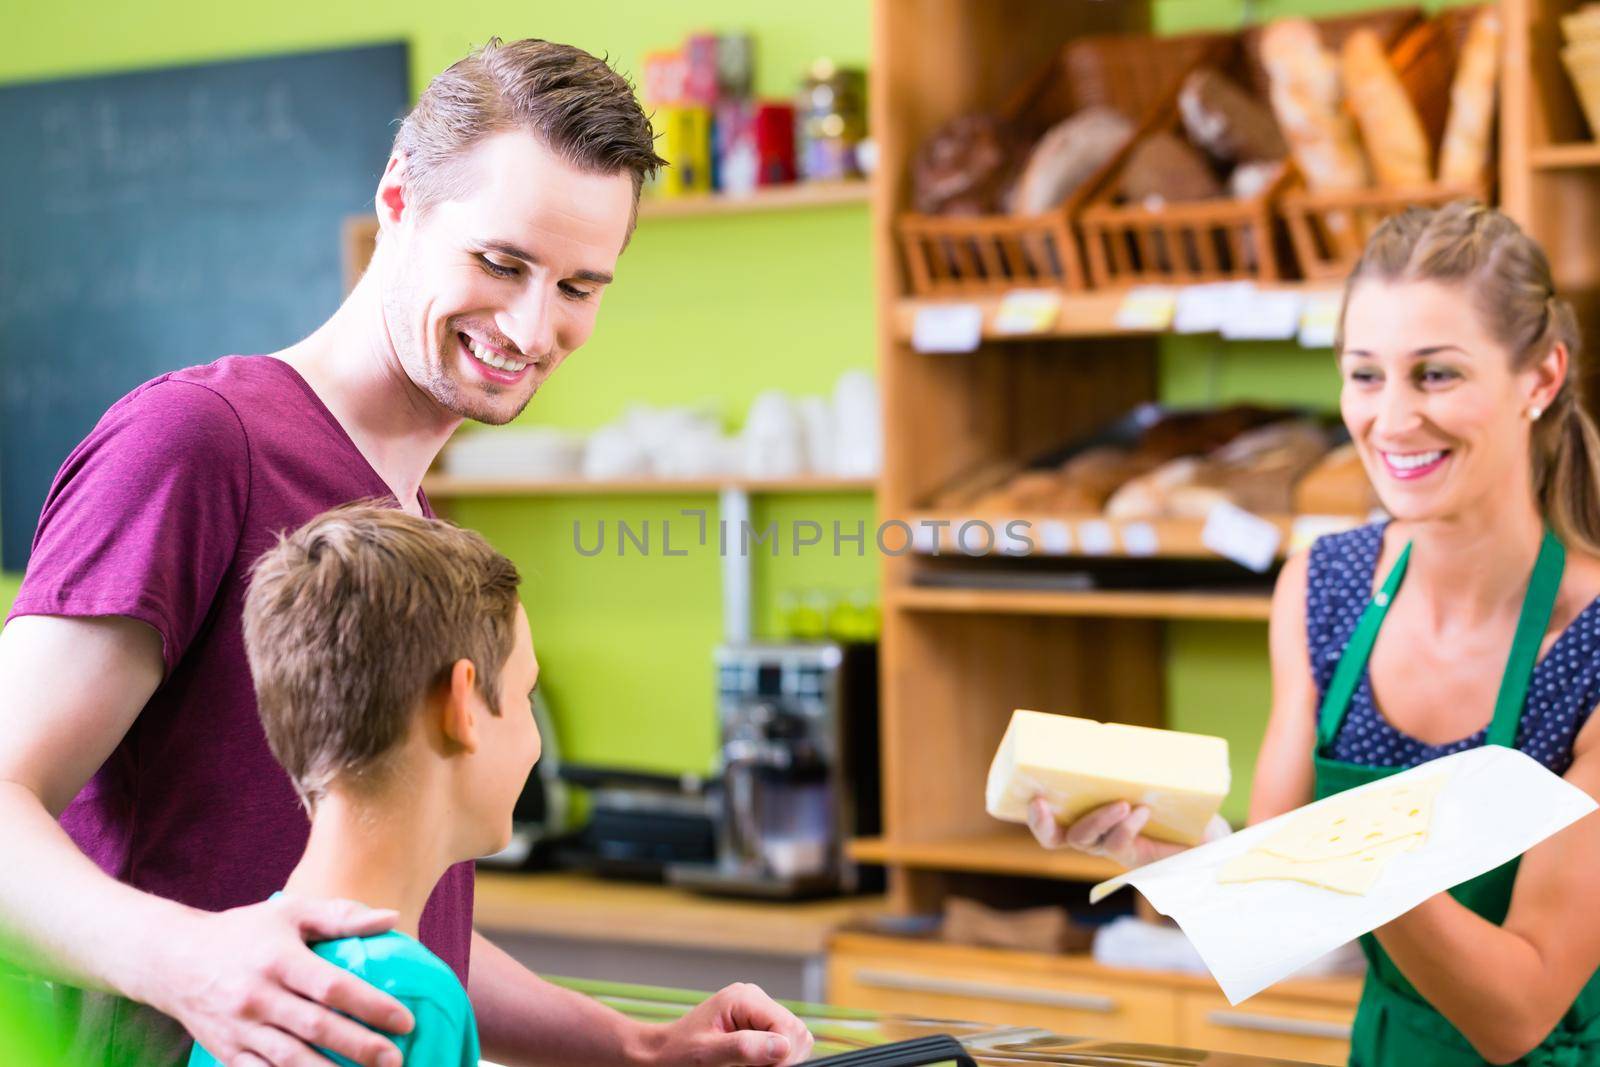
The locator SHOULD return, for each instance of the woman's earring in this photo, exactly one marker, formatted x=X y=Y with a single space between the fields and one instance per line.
x=1534 y=413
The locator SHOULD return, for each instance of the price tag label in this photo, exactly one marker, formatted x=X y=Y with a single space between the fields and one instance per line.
x=1147 y=307
x=1097 y=538
x=974 y=537
x=1204 y=308
x=1319 y=319
x=1016 y=539
x=1234 y=533
x=1139 y=539
x=948 y=328
x=1025 y=311
x=1268 y=315
x=1055 y=537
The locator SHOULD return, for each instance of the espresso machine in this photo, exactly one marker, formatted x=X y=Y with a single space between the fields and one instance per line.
x=797 y=771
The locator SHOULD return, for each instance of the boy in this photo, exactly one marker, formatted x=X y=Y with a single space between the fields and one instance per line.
x=393 y=666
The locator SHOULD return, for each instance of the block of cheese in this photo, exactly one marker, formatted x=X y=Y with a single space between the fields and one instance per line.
x=1080 y=764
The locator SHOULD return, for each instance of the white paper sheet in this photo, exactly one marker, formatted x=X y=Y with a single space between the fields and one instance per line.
x=1495 y=804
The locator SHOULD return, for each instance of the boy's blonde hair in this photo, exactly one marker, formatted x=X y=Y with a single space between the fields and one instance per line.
x=353 y=618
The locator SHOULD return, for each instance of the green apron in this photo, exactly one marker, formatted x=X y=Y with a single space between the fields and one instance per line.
x=1394 y=1024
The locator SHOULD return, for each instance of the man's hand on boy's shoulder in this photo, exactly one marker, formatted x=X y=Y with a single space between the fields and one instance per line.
x=246 y=987
x=738 y=1027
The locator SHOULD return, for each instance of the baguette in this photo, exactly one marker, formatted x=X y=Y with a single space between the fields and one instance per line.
x=1397 y=147
x=1306 y=97
x=1464 y=153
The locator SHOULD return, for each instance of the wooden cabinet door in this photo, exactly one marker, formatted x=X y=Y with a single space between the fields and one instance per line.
x=1266 y=1026
x=1072 y=1005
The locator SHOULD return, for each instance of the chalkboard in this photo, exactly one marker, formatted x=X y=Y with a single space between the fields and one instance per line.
x=157 y=220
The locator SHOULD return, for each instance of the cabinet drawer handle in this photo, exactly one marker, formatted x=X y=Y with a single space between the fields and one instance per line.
x=916 y=983
x=1275 y=1024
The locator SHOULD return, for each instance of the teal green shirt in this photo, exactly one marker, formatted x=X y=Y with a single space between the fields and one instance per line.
x=445 y=1035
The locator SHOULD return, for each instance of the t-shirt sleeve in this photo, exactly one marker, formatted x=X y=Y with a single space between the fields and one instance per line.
x=444 y=1034
x=144 y=517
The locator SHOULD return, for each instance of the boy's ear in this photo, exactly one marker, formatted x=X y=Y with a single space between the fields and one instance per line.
x=458 y=722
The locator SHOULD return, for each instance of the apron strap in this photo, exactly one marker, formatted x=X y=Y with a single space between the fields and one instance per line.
x=1537 y=607
x=1353 y=661
x=1532 y=623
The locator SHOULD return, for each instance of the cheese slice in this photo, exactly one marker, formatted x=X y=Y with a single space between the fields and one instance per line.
x=1345 y=842
x=1080 y=764
x=1354 y=823
x=1354 y=874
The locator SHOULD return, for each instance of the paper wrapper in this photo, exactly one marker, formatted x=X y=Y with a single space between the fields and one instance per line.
x=1494 y=805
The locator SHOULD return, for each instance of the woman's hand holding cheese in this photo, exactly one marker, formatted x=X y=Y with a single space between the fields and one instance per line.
x=1111 y=830
x=1132 y=793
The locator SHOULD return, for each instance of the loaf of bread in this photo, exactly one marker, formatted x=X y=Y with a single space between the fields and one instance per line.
x=1258 y=471
x=1068 y=155
x=1030 y=490
x=1250 y=180
x=1165 y=168
x=1080 y=486
x=1396 y=145
x=1228 y=123
x=965 y=167
x=1149 y=497
x=1306 y=97
x=1464 y=153
x=1089 y=479
x=1338 y=485
x=1188 y=433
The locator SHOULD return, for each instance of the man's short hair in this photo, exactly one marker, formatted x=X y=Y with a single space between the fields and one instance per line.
x=583 y=110
x=353 y=618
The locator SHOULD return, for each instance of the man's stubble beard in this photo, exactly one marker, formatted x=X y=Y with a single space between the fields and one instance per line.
x=430 y=376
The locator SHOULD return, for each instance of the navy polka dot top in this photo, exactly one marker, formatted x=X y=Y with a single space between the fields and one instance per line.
x=1564 y=689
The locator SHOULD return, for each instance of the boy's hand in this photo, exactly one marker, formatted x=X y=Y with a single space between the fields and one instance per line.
x=244 y=984
x=739 y=1027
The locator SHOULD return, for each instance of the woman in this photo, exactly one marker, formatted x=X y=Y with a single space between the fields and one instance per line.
x=1389 y=643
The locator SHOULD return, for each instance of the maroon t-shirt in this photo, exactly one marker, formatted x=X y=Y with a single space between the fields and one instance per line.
x=159 y=515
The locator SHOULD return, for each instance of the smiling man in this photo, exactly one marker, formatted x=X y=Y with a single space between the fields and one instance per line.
x=146 y=820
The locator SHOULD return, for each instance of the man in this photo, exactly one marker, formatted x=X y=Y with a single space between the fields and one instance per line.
x=128 y=710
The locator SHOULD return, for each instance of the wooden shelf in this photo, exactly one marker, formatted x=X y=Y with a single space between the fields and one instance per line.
x=1335 y=989
x=1117 y=604
x=1086 y=314
x=794 y=197
x=1140 y=539
x=443 y=486
x=578 y=907
x=1565 y=156
x=996 y=852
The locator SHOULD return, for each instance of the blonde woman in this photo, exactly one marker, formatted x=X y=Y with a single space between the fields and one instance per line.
x=1469 y=619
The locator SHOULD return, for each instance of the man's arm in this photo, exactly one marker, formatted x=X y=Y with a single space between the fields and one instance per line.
x=242 y=981
x=523 y=1019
